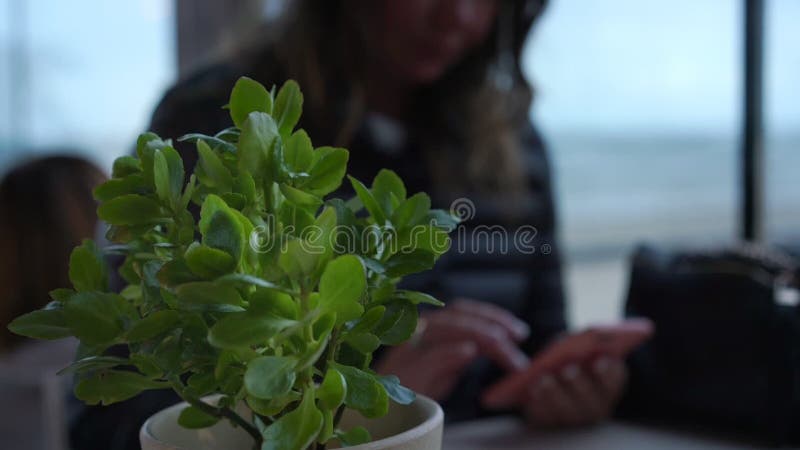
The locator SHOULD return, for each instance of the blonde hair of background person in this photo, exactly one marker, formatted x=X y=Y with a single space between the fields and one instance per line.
x=46 y=209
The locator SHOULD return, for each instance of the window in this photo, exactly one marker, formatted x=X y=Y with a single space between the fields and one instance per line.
x=782 y=120
x=640 y=104
x=81 y=74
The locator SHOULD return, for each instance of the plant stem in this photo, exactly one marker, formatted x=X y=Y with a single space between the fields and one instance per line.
x=333 y=345
x=226 y=413
x=215 y=411
x=338 y=416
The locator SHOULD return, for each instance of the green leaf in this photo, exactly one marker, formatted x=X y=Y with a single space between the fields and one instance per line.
x=207 y=293
x=96 y=318
x=388 y=188
x=113 y=386
x=288 y=107
x=350 y=356
x=245 y=185
x=397 y=392
x=372 y=264
x=342 y=284
x=369 y=201
x=269 y=376
x=296 y=430
x=161 y=177
x=355 y=436
x=176 y=272
x=131 y=209
x=92 y=363
x=269 y=407
x=87 y=269
x=234 y=200
x=382 y=289
x=61 y=295
x=146 y=364
x=259 y=136
x=124 y=166
x=327 y=171
x=41 y=324
x=370 y=318
x=211 y=171
x=398 y=323
x=186 y=233
x=193 y=418
x=327 y=426
x=208 y=262
x=226 y=359
x=298 y=151
x=442 y=219
x=221 y=227
x=213 y=141
x=364 y=393
x=316 y=347
x=152 y=325
x=402 y=264
x=423 y=237
x=202 y=383
x=247 y=96
x=252 y=280
x=300 y=198
x=131 y=184
x=146 y=145
x=168 y=176
x=322 y=236
x=363 y=342
x=269 y=301
x=417 y=298
x=296 y=259
x=230 y=134
x=412 y=211
x=331 y=392
x=323 y=326
x=296 y=220
x=240 y=330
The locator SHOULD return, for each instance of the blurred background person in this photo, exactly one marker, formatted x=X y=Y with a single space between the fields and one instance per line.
x=433 y=89
x=46 y=209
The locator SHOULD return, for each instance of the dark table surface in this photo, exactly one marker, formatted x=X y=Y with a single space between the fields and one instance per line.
x=511 y=433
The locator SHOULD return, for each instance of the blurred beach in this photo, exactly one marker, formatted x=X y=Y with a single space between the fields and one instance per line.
x=615 y=191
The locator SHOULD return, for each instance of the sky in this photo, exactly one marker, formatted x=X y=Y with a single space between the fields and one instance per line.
x=100 y=66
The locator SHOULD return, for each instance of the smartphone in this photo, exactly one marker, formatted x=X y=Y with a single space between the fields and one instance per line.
x=616 y=340
x=582 y=348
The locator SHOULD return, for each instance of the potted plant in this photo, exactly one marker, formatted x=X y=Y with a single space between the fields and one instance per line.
x=263 y=311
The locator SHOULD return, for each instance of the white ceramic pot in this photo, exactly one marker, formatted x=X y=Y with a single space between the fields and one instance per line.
x=417 y=426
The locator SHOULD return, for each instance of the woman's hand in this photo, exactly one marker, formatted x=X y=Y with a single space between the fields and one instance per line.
x=576 y=394
x=449 y=339
x=575 y=380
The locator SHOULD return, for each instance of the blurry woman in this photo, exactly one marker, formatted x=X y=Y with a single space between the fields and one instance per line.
x=46 y=209
x=433 y=89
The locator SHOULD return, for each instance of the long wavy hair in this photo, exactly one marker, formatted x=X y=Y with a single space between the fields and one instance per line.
x=467 y=122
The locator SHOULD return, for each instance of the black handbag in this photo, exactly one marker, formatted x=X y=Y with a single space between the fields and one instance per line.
x=726 y=351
